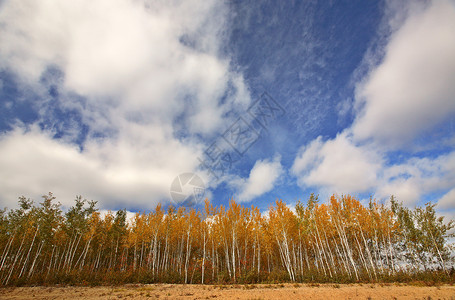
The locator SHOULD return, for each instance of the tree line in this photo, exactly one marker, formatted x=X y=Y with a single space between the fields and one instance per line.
x=337 y=241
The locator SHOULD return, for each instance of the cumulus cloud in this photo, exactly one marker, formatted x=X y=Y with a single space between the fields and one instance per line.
x=412 y=179
x=408 y=93
x=448 y=200
x=341 y=166
x=138 y=68
x=146 y=57
x=33 y=163
x=338 y=165
x=412 y=89
x=262 y=179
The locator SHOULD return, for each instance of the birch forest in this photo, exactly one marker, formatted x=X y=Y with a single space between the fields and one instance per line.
x=338 y=240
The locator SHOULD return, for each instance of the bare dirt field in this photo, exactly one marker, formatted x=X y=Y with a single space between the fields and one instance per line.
x=258 y=291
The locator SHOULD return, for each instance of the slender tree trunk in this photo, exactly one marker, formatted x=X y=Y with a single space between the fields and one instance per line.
x=203 y=258
x=34 y=261
x=188 y=249
x=29 y=251
x=15 y=259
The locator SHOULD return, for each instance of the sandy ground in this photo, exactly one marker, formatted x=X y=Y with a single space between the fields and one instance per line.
x=258 y=291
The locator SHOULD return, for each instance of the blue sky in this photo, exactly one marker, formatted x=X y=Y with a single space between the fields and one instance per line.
x=113 y=100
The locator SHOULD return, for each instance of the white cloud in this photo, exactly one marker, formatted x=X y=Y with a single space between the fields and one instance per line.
x=412 y=89
x=338 y=165
x=410 y=180
x=408 y=93
x=407 y=191
x=448 y=200
x=125 y=57
x=115 y=173
x=140 y=66
x=308 y=156
x=343 y=108
x=262 y=179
